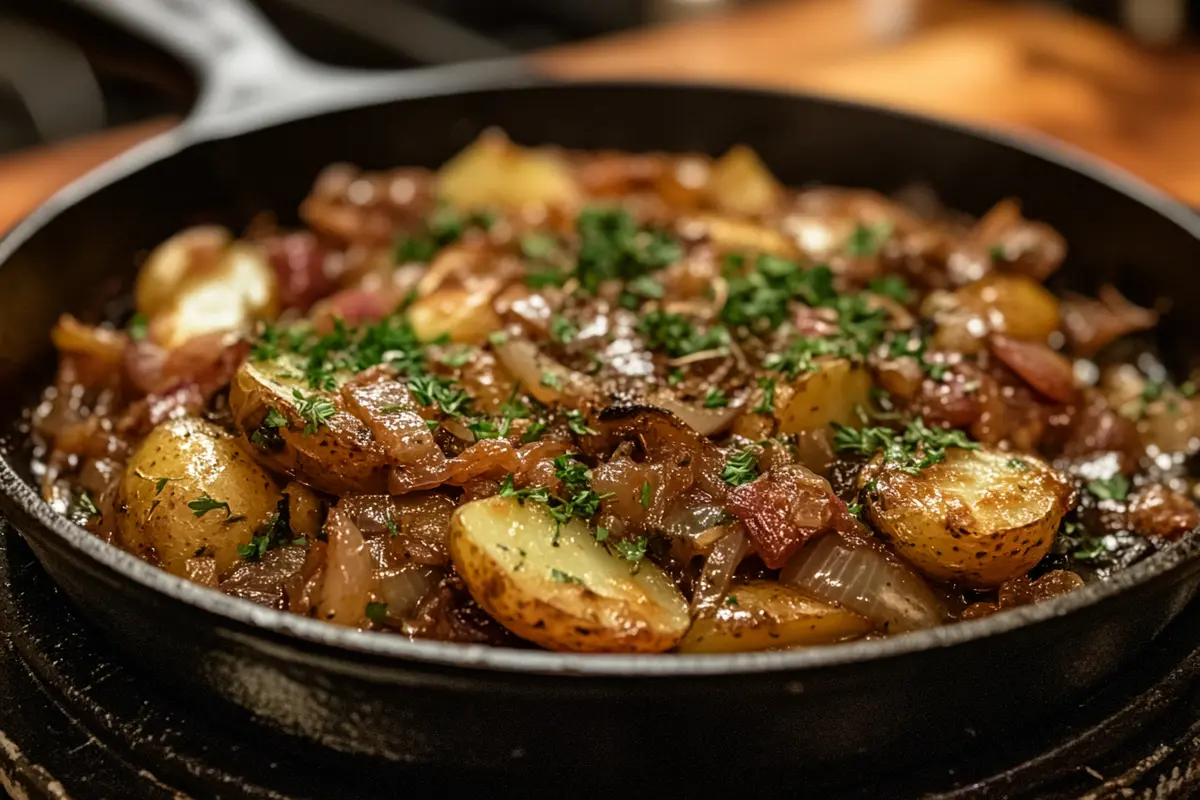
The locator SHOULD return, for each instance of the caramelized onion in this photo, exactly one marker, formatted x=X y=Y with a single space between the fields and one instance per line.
x=404 y=588
x=528 y=365
x=344 y=594
x=1045 y=370
x=718 y=570
x=706 y=421
x=865 y=581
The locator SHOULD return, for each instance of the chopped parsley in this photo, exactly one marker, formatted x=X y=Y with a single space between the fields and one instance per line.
x=893 y=286
x=392 y=527
x=314 y=410
x=613 y=247
x=646 y=494
x=633 y=549
x=551 y=380
x=1114 y=488
x=377 y=612
x=562 y=330
x=1017 y=464
x=138 y=327
x=716 y=398
x=87 y=505
x=867 y=239
x=731 y=600
x=440 y=393
x=855 y=510
x=916 y=447
x=742 y=467
x=534 y=432
x=457 y=358
x=674 y=335
x=767 y=404
x=577 y=424
x=537 y=245
x=759 y=300
x=267 y=433
x=160 y=484
x=558 y=576
x=444 y=226
x=576 y=479
x=204 y=504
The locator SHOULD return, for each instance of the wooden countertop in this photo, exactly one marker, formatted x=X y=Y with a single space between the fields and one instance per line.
x=1024 y=66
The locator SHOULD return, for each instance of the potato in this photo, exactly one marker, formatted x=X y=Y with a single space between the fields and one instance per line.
x=831 y=394
x=976 y=519
x=190 y=251
x=465 y=316
x=573 y=596
x=340 y=456
x=184 y=461
x=765 y=615
x=495 y=172
x=1014 y=305
x=239 y=288
x=740 y=183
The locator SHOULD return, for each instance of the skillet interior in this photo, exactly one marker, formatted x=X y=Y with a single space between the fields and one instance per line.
x=878 y=691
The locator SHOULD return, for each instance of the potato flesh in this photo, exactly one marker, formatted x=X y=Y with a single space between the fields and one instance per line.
x=765 y=615
x=976 y=519
x=740 y=183
x=573 y=596
x=339 y=457
x=832 y=393
x=169 y=264
x=197 y=458
x=493 y=172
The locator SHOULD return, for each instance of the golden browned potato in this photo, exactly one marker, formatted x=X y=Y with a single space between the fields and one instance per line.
x=571 y=596
x=832 y=393
x=740 y=183
x=765 y=615
x=463 y=315
x=338 y=456
x=976 y=519
x=191 y=489
x=190 y=251
x=197 y=283
x=497 y=173
x=1014 y=305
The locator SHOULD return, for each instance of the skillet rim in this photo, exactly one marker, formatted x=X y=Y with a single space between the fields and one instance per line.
x=25 y=509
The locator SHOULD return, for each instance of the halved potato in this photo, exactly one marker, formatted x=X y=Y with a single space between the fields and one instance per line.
x=192 y=461
x=976 y=519
x=765 y=615
x=832 y=393
x=340 y=456
x=740 y=183
x=464 y=316
x=495 y=172
x=192 y=250
x=1014 y=305
x=197 y=282
x=573 y=595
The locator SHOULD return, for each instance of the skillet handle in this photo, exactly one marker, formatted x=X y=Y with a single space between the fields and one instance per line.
x=251 y=76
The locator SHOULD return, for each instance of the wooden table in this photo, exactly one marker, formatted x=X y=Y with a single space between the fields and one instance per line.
x=1025 y=66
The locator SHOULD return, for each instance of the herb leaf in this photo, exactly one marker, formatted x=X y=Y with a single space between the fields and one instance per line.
x=204 y=504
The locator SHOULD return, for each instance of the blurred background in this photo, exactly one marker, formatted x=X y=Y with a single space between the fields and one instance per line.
x=1120 y=78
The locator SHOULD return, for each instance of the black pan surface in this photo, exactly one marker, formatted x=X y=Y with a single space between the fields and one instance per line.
x=808 y=712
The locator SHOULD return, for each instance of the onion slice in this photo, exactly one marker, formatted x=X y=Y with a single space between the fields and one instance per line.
x=529 y=365
x=865 y=581
x=706 y=421
x=718 y=571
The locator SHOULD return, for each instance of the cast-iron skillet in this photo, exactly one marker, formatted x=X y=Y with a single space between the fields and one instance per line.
x=266 y=123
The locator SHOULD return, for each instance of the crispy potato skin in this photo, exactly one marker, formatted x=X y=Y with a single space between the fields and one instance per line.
x=339 y=457
x=503 y=551
x=768 y=615
x=815 y=399
x=976 y=519
x=197 y=458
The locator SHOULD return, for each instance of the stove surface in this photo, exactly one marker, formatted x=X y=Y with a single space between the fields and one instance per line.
x=77 y=723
